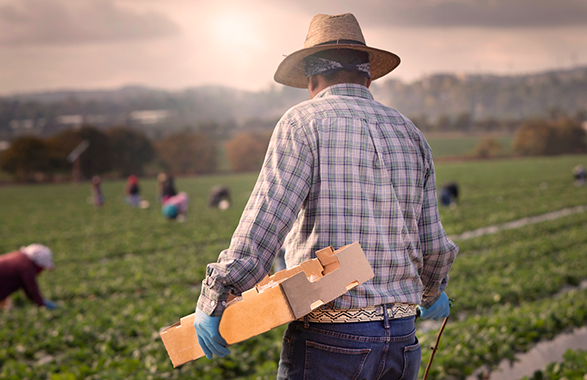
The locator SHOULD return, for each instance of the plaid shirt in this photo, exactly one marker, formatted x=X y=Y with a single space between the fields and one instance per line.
x=342 y=168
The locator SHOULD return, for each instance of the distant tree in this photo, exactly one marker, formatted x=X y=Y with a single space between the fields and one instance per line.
x=463 y=122
x=532 y=138
x=443 y=123
x=422 y=122
x=246 y=150
x=187 y=153
x=540 y=137
x=25 y=157
x=489 y=124
x=131 y=150
x=95 y=160
x=487 y=147
x=60 y=146
x=569 y=137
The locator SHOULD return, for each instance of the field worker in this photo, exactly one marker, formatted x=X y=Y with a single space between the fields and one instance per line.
x=161 y=178
x=341 y=168
x=97 y=195
x=449 y=194
x=19 y=269
x=176 y=207
x=132 y=191
x=219 y=197
x=168 y=188
x=580 y=175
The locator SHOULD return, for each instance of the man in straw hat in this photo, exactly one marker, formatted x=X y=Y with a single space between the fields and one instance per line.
x=341 y=168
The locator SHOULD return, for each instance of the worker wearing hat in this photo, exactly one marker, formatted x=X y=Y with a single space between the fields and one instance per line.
x=341 y=168
x=19 y=269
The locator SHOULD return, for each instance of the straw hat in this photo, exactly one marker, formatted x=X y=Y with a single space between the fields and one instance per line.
x=333 y=32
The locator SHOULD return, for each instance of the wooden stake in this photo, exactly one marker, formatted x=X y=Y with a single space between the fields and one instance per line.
x=434 y=348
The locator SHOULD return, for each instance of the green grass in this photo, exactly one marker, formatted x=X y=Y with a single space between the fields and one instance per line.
x=123 y=273
x=499 y=191
x=443 y=147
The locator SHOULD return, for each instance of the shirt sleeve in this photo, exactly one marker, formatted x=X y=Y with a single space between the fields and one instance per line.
x=279 y=193
x=438 y=251
x=31 y=288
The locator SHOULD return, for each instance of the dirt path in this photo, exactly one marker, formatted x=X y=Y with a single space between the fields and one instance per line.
x=519 y=223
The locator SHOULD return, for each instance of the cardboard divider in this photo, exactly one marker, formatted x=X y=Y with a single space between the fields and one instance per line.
x=287 y=295
x=301 y=293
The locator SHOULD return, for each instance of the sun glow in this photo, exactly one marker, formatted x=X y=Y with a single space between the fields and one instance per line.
x=234 y=32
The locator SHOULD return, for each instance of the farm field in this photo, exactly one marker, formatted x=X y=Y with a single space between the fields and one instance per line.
x=447 y=146
x=123 y=273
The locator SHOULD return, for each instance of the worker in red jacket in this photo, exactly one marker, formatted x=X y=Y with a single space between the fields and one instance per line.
x=19 y=269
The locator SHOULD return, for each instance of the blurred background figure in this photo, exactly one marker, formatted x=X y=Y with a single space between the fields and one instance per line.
x=97 y=195
x=580 y=175
x=161 y=178
x=219 y=197
x=449 y=194
x=168 y=188
x=19 y=270
x=132 y=191
x=176 y=207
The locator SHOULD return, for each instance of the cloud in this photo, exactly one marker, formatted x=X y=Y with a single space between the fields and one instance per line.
x=65 y=22
x=461 y=13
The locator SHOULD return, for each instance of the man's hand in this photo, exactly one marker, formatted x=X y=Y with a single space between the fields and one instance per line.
x=439 y=309
x=208 y=335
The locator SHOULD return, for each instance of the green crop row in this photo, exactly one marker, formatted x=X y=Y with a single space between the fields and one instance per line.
x=485 y=339
x=123 y=273
x=117 y=338
x=573 y=367
x=496 y=192
x=530 y=263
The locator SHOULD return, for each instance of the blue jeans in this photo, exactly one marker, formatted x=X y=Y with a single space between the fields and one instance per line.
x=364 y=350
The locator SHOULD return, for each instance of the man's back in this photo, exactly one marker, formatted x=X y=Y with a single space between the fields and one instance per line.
x=369 y=168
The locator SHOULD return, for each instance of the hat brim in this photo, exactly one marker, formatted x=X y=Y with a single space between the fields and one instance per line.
x=291 y=71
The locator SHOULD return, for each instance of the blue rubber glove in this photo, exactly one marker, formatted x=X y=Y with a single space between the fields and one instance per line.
x=50 y=304
x=208 y=335
x=439 y=309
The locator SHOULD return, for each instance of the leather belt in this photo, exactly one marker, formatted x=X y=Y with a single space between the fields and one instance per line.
x=366 y=314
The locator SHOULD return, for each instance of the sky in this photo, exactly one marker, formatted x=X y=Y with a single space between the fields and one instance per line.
x=50 y=45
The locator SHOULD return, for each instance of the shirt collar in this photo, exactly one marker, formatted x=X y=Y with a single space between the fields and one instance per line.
x=345 y=89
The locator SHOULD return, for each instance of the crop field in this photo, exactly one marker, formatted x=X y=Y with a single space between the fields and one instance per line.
x=463 y=146
x=123 y=273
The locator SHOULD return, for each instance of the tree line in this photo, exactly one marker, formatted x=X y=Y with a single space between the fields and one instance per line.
x=122 y=151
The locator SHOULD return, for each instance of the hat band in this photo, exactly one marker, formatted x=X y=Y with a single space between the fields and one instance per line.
x=316 y=65
x=342 y=42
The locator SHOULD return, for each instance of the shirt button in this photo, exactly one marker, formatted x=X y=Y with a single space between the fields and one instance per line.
x=212 y=303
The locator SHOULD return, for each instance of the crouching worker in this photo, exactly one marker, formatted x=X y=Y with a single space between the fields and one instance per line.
x=176 y=207
x=449 y=194
x=341 y=168
x=580 y=175
x=219 y=197
x=19 y=269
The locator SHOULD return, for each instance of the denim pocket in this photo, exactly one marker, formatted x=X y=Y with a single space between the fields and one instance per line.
x=412 y=358
x=325 y=362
